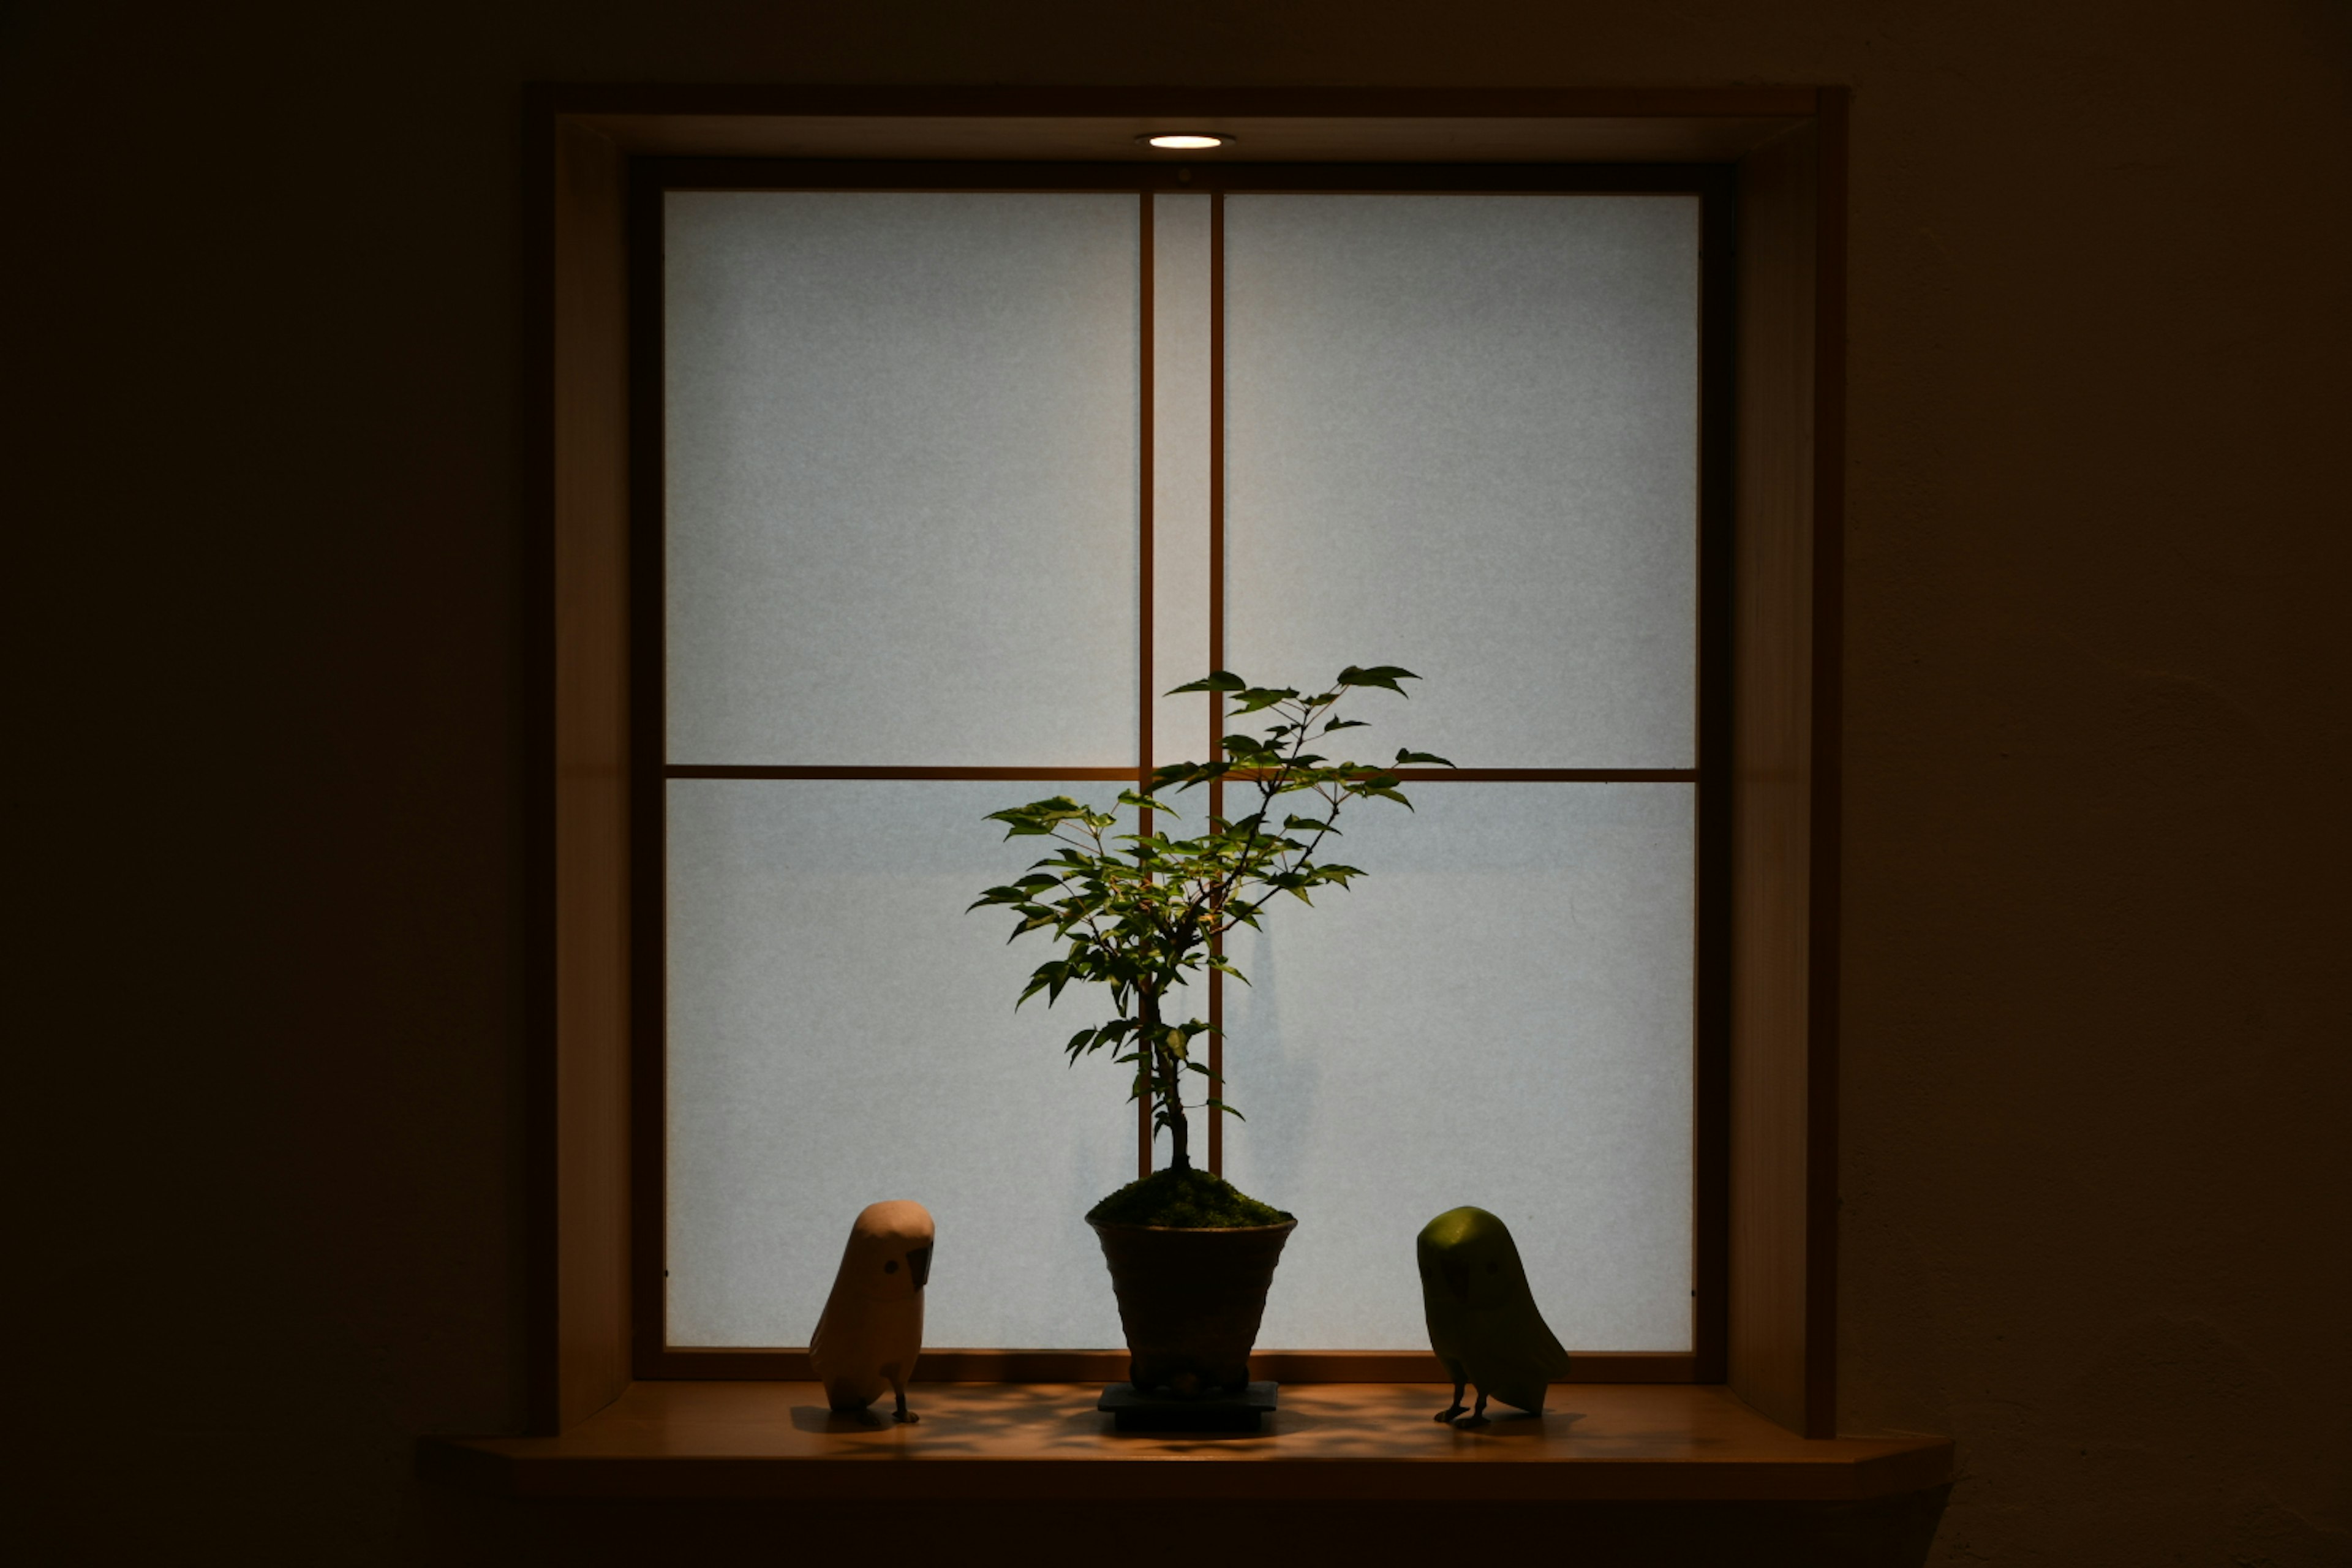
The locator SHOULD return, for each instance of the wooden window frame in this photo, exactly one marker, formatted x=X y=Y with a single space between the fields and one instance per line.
x=653 y=178
x=1772 y=1334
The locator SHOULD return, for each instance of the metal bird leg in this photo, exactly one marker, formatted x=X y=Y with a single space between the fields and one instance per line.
x=1457 y=1407
x=1476 y=1417
x=898 y=1386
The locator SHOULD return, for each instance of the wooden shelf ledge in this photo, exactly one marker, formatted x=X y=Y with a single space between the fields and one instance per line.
x=1329 y=1442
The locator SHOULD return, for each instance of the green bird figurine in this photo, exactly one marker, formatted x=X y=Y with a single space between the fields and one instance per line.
x=1482 y=1321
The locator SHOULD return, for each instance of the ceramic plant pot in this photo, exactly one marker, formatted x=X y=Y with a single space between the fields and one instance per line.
x=1190 y=1300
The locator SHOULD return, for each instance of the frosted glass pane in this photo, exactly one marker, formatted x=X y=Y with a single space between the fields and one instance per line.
x=841 y=1032
x=1179 y=519
x=901 y=478
x=1462 y=436
x=1499 y=1014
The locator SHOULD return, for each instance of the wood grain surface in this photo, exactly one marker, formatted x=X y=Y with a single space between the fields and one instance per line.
x=1331 y=1442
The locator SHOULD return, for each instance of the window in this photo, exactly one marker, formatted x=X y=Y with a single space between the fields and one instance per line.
x=955 y=480
x=597 y=1211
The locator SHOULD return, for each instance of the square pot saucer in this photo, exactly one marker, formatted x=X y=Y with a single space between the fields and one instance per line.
x=1134 y=1411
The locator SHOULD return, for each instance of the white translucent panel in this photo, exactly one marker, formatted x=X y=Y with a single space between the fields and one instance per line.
x=901 y=478
x=841 y=1032
x=1499 y=1015
x=1462 y=436
x=1179 y=418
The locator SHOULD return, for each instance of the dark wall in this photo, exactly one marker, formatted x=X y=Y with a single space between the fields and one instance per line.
x=263 y=481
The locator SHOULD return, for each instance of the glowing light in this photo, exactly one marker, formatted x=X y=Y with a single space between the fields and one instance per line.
x=1188 y=140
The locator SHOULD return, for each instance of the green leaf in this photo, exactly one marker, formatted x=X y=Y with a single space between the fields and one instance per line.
x=1186 y=774
x=1052 y=972
x=1258 y=696
x=1039 y=816
x=1216 y=680
x=1405 y=758
x=1386 y=675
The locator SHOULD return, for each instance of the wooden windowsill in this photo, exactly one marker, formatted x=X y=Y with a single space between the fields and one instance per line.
x=1329 y=1442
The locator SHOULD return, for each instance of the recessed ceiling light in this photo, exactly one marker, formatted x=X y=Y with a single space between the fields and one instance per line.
x=1186 y=141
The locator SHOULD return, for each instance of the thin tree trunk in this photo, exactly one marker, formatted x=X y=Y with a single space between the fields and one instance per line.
x=1178 y=1132
x=1167 y=1080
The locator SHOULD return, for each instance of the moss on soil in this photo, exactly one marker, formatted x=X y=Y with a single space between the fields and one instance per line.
x=1190 y=1199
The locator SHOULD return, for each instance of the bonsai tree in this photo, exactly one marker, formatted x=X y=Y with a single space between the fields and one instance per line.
x=1141 y=912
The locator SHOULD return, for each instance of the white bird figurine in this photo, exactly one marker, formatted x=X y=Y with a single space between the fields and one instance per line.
x=872 y=1328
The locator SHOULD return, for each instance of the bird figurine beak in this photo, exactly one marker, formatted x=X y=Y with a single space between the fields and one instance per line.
x=1458 y=1277
x=919 y=1264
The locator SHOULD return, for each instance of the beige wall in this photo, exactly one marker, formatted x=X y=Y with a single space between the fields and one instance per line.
x=263 y=486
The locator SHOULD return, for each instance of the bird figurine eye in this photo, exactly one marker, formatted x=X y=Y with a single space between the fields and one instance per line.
x=892 y=1266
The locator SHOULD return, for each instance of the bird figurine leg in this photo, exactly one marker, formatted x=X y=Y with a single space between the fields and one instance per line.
x=1457 y=1407
x=898 y=1386
x=1476 y=1417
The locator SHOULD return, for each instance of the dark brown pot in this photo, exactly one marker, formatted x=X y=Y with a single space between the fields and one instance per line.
x=1190 y=1300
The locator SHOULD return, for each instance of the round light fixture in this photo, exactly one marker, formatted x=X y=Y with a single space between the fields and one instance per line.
x=1187 y=141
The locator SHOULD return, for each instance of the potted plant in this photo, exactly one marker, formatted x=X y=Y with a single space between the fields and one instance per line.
x=1141 y=912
